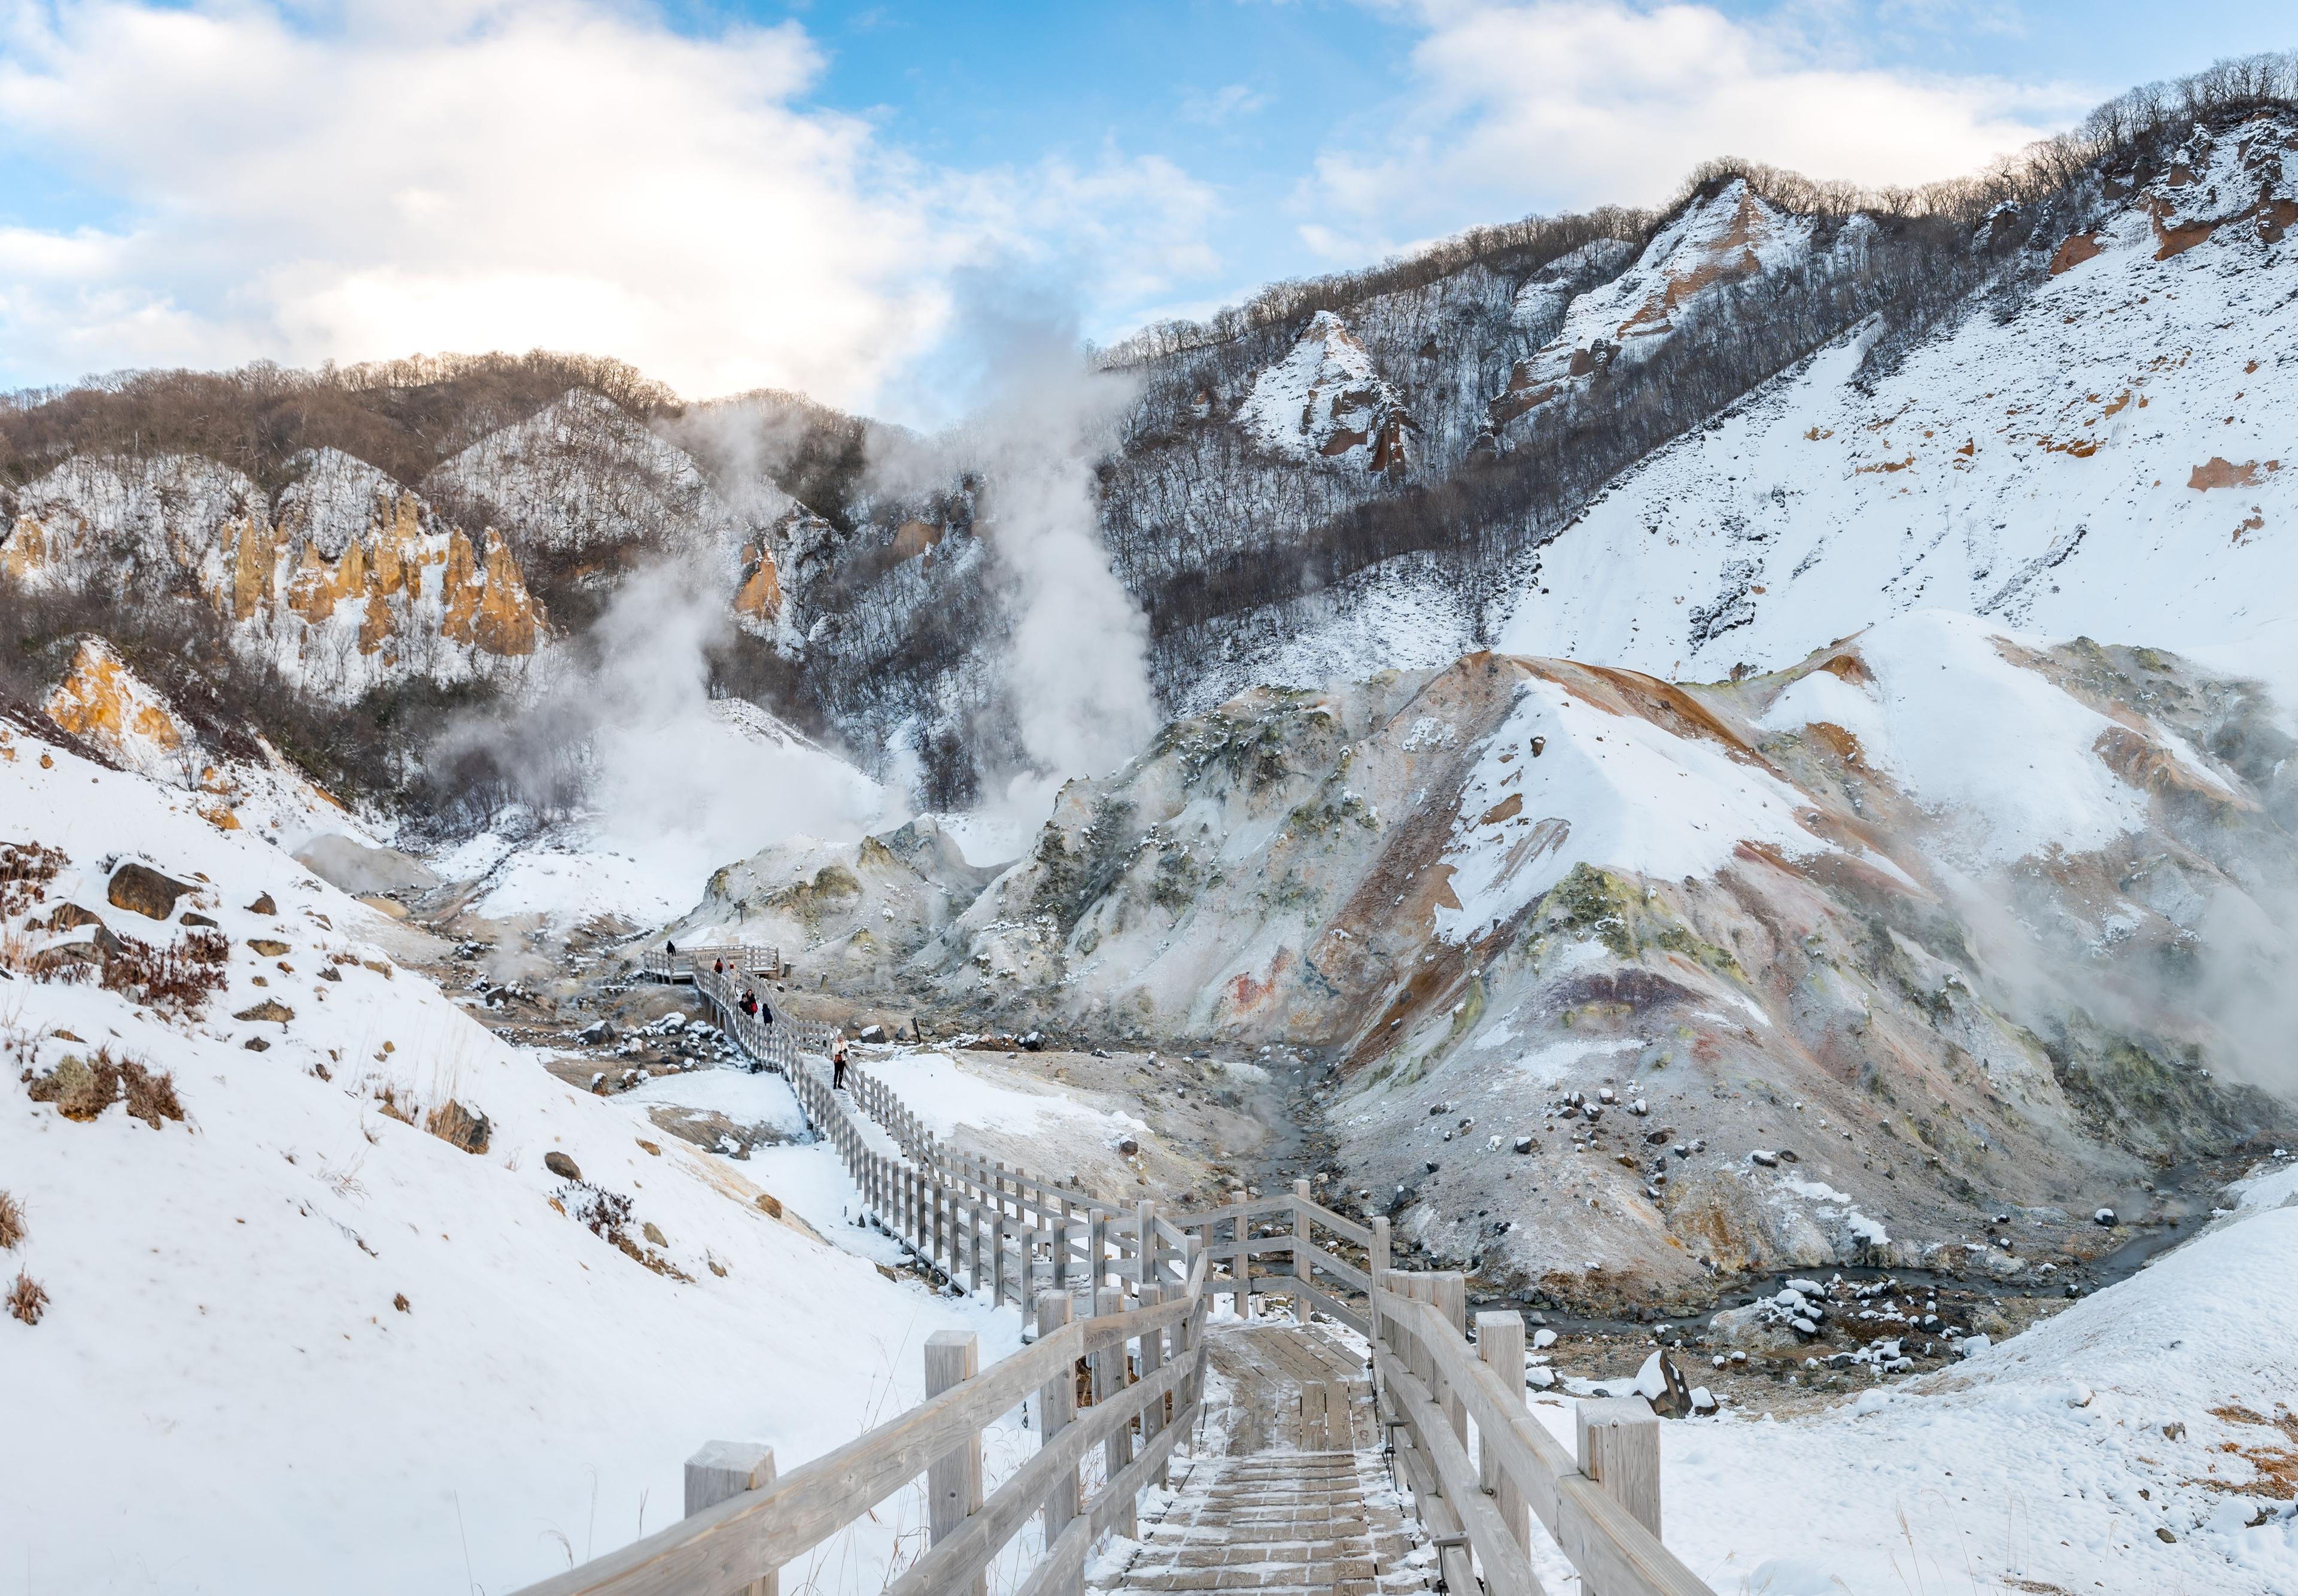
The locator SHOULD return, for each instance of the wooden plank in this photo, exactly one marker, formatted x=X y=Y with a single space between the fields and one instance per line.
x=1057 y=1411
x=1613 y=1551
x=969 y=1552
x=953 y=1480
x=1109 y=1378
x=1619 y=1449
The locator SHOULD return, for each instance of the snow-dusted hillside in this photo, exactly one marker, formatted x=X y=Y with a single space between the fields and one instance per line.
x=334 y=1314
x=1957 y=917
x=2096 y=449
x=347 y=582
x=1326 y=401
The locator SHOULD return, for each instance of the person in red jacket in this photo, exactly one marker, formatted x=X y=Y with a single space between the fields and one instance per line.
x=837 y=1062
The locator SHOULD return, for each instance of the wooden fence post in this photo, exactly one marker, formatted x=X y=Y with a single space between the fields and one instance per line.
x=1619 y=1449
x=725 y=1468
x=1057 y=1411
x=1377 y=1266
x=1109 y=1374
x=953 y=1480
x=1499 y=1342
x=1152 y=1358
x=1144 y=1258
x=1451 y=1299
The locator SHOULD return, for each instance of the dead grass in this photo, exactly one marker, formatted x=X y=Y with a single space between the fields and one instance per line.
x=11 y=1223
x=399 y=1107
x=26 y=869
x=175 y=980
x=27 y=1299
x=82 y=1089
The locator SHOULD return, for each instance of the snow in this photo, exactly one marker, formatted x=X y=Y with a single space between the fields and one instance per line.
x=946 y=1096
x=222 y=1346
x=1326 y=389
x=1817 y=506
x=2008 y=755
x=1632 y=796
x=747 y=1099
x=1990 y=1473
x=986 y=838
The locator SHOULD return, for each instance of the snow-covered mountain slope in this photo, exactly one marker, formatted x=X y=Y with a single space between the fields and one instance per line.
x=243 y=784
x=1325 y=400
x=2102 y=455
x=1718 y=239
x=332 y=1312
x=1956 y=917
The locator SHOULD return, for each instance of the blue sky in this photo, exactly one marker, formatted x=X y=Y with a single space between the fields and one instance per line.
x=734 y=192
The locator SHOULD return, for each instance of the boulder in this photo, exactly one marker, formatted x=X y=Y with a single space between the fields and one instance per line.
x=1128 y=1146
x=269 y=946
x=1751 y=1330
x=263 y=904
x=200 y=920
x=142 y=891
x=71 y=917
x=459 y=1126
x=562 y=1166
x=270 y=1008
x=871 y=1033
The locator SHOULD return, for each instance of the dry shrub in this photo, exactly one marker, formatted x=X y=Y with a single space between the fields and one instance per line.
x=11 y=1223
x=26 y=869
x=605 y=1213
x=399 y=1107
x=28 y=1299
x=176 y=979
x=82 y=1089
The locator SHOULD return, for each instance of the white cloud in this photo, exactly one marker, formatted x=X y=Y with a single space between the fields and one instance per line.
x=1222 y=105
x=1517 y=106
x=373 y=177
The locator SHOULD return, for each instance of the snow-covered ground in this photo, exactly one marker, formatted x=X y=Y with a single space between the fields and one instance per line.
x=293 y=1342
x=950 y=1099
x=2146 y=1439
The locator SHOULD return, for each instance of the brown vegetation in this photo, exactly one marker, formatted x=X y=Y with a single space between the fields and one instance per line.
x=82 y=1089
x=27 y=1299
x=11 y=1223
x=176 y=980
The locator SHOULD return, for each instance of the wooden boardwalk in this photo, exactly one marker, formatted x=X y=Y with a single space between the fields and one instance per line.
x=1286 y=1493
x=1290 y=1486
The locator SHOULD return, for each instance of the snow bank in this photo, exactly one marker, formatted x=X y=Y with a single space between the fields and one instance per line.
x=305 y=1344
x=2162 y=1403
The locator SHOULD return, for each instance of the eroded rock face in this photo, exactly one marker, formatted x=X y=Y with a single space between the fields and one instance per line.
x=101 y=700
x=349 y=580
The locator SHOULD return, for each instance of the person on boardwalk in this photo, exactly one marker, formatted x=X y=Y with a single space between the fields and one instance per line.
x=837 y=1062
x=719 y=968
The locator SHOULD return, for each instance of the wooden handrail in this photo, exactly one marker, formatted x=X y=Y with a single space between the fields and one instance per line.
x=724 y=1547
x=1613 y=1551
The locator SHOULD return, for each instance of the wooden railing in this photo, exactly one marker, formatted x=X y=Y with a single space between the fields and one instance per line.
x=738 y=958
x=1139 y=1281
x=1481 y=1468
x=1313 y=1276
